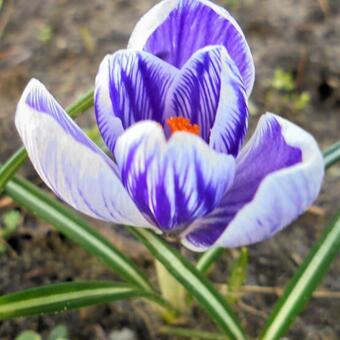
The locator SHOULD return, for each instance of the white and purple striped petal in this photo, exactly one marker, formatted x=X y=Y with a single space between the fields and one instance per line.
x=209 y=91
x=278 y=175
x=174 y=30
x=130 y=86
x=173 y=182
x=69 y=163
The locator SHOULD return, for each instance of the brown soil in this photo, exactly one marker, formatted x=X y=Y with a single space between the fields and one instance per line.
x=62 y=43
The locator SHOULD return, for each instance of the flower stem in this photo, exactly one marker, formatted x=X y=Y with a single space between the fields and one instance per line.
x=171 y=289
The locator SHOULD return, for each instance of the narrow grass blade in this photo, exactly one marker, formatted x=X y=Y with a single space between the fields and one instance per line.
x=64 y=296
x=332 y=148
x=332 y=155
x=238 y=275
x=83 y=103
x=8 y=170
x=191 y=333
x=70 y=224
x=194 y=281
x=208 y=259
x=303 y=284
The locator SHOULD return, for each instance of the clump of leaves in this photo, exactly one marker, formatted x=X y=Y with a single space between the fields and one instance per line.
x=10 y=223
x=283 y=94
x=59 y=332
x=45 y=33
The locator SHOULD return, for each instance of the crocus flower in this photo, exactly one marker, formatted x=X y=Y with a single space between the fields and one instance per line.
x=172 y=109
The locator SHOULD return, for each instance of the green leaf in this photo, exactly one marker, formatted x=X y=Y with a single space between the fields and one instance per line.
x=9 y=169
x=11 y=221
x=238 y=274
x=301 y=287
x=208 y=259
x=59 y=332
x=82 y=104
x=194 y=281
x=191 y=333
x=28 y=335
x=332 y=155
x=75 y=228
x=65 y=296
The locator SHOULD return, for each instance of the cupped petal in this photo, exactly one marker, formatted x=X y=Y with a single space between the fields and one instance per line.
x=278 y=175
x=209 y=91
x=130 y=86
x=173 y=30
x=69 y=163
x=173 y=182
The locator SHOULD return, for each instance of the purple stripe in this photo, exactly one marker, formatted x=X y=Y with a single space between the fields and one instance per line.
x=269 y=153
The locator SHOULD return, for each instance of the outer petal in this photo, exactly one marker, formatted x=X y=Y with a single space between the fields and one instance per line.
x=209 y=91
x=278 y=175
x=172 y=182
x=69 y=163
x=175 y=29
x=130 y=86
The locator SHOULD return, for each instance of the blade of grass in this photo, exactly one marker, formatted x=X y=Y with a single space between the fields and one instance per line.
x=194 y=281
x=332 y=148
x=191 y=333
x=237 y=275
x=83 y=103
x=332 y=155
x=8 y=170
x=303 y=284
x=70 y=224
x=65 y=296
x=208 y=259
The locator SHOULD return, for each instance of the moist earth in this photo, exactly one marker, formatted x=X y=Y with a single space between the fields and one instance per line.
x=62 y=43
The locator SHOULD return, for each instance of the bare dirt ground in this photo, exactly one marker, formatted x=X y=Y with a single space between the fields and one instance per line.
x=62 y=43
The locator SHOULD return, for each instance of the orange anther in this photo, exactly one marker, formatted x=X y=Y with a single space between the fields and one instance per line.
x=182 y=124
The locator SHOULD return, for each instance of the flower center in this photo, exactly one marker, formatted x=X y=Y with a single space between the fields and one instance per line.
x=182 y=124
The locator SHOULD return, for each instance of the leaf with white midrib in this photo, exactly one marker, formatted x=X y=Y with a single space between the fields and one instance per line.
x=194 y=281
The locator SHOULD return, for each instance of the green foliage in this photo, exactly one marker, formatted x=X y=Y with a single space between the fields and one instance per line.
x=283 y=94
x=283 y=81
x=237 y=275
x=191 y=333
x=59 y=332
x=45 y=33
x=208 y=259
x=10 y=223
x=28 y=335
x=194 y=281
x=65 y=296
x=300 y=289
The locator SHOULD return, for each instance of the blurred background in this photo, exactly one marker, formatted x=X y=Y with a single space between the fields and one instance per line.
x=296 y=47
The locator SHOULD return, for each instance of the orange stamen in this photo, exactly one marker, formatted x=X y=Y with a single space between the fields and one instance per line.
x=182 y=124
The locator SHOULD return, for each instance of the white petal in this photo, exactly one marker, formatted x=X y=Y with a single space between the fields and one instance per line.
x=69 y=163
x=272 y=187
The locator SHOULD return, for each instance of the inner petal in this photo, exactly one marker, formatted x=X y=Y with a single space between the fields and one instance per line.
x=175 y=181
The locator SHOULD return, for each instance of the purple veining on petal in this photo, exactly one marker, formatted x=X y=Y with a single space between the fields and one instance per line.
x=130 y=86
x=209 y=91
x=69 y=162
x=267 y=154
x=193 y=25
x=172 y=182
x=43 y=102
